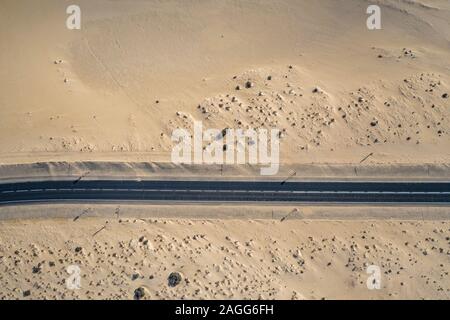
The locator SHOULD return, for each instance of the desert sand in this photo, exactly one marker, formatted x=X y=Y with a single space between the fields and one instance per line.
x=137 y=70
x=224 y=259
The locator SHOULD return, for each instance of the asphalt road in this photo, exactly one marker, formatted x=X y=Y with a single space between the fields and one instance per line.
x=225 y=191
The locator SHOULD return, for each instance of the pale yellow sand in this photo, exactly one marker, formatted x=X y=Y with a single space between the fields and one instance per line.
x=137 y=70
x=225 y=259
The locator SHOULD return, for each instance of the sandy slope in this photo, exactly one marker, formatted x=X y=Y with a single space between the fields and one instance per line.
x=138 y=69
x=253 y=259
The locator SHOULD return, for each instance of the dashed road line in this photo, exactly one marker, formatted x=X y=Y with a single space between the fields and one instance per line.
x=229 y=191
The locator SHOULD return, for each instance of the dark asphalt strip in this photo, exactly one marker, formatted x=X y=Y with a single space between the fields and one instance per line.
x=225 y=191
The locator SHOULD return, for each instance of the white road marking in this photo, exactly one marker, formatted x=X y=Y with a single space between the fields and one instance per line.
x=280 y=192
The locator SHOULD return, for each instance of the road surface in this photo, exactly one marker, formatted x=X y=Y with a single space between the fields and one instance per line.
x=224 y=191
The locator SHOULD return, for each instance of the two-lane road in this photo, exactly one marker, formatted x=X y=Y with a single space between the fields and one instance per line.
x=225 y=191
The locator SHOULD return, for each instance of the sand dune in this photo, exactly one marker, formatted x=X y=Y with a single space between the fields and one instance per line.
x=116 y=89
x=224 y=259
x=117 y=84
